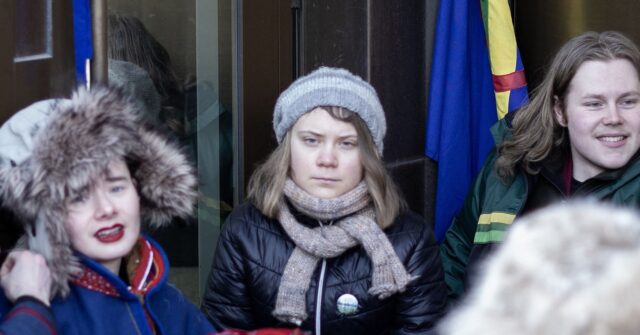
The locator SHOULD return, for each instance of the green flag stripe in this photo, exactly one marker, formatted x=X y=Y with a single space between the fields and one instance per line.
x=484 y=4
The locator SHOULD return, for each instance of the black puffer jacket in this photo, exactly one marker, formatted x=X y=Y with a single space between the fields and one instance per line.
x=252 y=253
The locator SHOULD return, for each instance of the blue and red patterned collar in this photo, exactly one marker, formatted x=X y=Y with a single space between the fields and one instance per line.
x=145 y=266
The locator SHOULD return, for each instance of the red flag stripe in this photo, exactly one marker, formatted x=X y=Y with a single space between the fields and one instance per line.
x=508 y=82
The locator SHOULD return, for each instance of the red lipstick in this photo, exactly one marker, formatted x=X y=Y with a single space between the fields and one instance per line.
x=110 y=234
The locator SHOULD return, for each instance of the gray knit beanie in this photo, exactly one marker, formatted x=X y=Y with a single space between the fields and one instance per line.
x=330 y=87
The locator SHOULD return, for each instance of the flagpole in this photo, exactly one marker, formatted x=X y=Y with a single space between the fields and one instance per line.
x=99 y=70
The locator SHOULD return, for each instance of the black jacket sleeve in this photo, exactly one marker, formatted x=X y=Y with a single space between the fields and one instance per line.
x=226 y=300
x=421 y=306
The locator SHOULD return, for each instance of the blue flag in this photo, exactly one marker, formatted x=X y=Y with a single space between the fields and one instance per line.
x=82 y=37
x=462 y=105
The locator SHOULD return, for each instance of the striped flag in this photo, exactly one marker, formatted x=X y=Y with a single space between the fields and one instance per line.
x=468 y=94
x=507 y=70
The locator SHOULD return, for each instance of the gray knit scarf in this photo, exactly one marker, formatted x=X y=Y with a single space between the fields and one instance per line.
x=312 y=244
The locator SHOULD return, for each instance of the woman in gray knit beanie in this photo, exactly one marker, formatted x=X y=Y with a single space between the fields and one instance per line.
x=326 y=243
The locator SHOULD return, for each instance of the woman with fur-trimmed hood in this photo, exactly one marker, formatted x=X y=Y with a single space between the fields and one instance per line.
x=94 y=173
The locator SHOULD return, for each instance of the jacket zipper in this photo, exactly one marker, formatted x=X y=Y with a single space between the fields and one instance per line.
x=319 y=297
x=320 y=289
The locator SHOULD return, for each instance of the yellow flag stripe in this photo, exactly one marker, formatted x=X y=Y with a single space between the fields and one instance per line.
x=501 y=38
x=502 y=103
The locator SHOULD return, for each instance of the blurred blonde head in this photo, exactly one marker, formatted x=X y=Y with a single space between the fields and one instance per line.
x=567 y=269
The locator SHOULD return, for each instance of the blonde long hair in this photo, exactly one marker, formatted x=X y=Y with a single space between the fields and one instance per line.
x=267 y=182
x=536 y=132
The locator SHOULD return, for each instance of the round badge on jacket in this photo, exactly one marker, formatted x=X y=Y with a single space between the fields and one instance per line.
x=347 y=304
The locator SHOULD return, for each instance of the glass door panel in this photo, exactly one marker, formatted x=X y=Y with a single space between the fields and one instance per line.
x=176 y=57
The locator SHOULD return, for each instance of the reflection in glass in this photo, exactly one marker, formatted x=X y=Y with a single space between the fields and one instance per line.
x=175 y=57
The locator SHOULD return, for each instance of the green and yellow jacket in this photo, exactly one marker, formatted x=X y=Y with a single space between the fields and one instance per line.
x=492 y=205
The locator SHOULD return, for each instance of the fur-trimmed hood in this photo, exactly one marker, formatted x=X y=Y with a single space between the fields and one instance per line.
x=77 y=144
